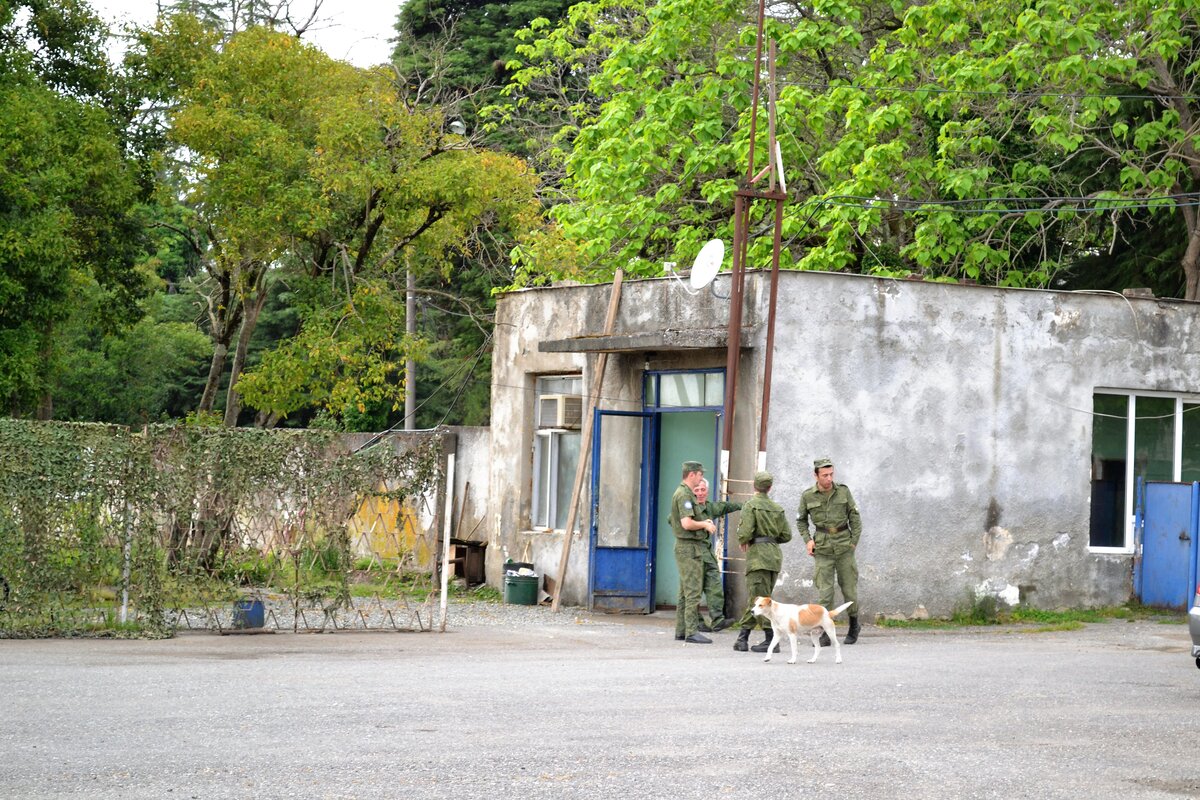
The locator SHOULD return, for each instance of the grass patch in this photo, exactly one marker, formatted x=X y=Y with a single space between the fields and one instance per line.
x=987 y=611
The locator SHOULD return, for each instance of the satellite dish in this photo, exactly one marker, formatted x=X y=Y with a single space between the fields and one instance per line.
x=779 y=167
x=707 y=264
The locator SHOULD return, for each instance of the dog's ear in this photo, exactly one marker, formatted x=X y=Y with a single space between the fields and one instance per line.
x=766 y=601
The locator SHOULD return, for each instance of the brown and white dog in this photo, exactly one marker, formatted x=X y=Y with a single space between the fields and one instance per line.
x=792 y=619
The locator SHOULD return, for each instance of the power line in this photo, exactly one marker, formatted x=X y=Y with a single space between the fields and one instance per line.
x=1014 y=93
x=1083 y=203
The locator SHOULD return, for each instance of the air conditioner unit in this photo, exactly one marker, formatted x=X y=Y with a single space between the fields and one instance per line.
x=560 y=411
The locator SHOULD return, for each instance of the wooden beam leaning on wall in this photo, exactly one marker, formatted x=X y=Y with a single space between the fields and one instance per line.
x=585 y=445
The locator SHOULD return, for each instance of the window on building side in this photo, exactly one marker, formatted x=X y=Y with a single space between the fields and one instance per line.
x=559 y=415
x=1152 y=437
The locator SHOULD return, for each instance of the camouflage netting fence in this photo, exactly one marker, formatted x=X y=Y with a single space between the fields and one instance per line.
x=108 y=531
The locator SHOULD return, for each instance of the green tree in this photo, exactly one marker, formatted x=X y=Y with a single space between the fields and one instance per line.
x=306 y=169
x=1006 y=142
x=657 y=144
x=1022 y=105
x=66 y=189
x=482 y=35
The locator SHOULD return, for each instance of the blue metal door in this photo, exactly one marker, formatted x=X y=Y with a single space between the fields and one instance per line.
x=1168 y=543
x=619 y=578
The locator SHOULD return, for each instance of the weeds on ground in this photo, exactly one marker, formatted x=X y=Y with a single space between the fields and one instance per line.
x=988 y=611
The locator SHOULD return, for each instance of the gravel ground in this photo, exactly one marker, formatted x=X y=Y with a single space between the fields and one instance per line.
x=519 y=703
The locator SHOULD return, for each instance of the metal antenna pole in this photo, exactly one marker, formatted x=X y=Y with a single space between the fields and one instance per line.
x=776 y=246
x=743 y=199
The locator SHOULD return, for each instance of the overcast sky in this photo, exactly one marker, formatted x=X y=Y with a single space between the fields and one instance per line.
x=354 y=30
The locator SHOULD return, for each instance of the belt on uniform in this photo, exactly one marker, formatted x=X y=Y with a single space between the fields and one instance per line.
x=762 y=540
x=845 y=526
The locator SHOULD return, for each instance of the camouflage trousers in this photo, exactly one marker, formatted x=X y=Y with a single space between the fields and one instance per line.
x=759 y=583
x=712 y=590
x=842 y=567
x=690 y=559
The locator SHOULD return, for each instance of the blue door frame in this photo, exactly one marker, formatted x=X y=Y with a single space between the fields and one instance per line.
x=1166 y=528
x=620 y=579
x=651 y=402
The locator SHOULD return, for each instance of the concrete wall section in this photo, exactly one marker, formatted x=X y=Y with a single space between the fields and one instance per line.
x=525 y=318
x=960 y=417
x=472 y=483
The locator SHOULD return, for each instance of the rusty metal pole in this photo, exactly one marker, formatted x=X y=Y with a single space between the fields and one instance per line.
x=766 y=396
x=776 y=246
x=741 y=232
x=734 y=336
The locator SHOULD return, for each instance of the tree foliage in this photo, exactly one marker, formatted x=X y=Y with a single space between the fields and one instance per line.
x=1003 y=142
x=66 y=191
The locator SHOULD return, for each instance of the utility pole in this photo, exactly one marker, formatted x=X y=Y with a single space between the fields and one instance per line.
x=743 y=200
x=410 y=364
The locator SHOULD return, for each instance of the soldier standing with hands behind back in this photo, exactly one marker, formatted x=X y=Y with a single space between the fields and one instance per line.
x=837 y=527
x=762 y=528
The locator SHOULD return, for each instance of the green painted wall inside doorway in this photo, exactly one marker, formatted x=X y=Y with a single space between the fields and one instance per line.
x=683 y=436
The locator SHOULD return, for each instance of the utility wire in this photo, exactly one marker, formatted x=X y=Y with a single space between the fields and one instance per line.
x=454 y=375
x=985 y=92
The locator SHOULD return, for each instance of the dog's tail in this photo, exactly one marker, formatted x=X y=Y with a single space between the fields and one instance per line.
x=840 y=609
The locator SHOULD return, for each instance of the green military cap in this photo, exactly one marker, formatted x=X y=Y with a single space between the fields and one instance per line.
x=692 y=466
x=763 y=480
x=822 y=462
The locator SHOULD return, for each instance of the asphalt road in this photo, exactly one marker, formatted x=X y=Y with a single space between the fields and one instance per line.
x=578 y=706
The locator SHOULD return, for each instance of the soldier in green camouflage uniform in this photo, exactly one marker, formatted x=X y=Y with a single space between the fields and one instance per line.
x=762 y=529
x=711 y=589
x=837 y=528
x=691 y=540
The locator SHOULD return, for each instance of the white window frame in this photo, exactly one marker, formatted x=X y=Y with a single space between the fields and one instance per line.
x=1130 y=443
x=546 y=445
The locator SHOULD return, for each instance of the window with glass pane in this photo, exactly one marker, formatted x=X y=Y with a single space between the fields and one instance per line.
x=1110 y=430
x=1154 y=438
x=682 y=389
x=714 y=389
x=555 y=453
x=1190 y=468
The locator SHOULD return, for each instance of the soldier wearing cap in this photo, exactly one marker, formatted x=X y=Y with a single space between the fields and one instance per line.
x=762 y=529
x=691 y=540
x=837 y=528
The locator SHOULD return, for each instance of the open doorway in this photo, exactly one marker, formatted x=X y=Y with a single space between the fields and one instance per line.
x=687 y=408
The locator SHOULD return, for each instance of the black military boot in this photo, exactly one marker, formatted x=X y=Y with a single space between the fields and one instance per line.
x=825 y=640
x=852 y=635
x=743 y=641
x=762 y=646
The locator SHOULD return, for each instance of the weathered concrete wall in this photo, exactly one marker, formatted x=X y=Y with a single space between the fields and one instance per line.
x=959 y=416
x=472 y=483
x=525 y=318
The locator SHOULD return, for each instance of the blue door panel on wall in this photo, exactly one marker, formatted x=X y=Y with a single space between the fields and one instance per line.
x=619 y=576
x=1168 y=544
x=621 y=583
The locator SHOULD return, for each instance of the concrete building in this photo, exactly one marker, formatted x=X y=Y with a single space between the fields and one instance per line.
x=992 y=437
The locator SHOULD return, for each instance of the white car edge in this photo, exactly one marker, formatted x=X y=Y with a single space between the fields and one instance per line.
x=1194 y=626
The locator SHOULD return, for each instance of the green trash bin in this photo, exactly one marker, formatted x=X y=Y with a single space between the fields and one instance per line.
x=521 y=590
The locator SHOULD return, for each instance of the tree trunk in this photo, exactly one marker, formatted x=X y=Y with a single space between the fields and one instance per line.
x=209 y=398
x=251 y=310
x=1191 y=257
x=224 y=314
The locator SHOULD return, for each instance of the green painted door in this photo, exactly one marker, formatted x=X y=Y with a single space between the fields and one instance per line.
x=683 y=436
